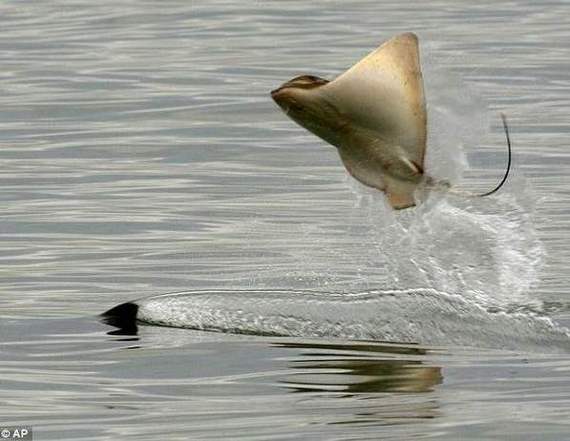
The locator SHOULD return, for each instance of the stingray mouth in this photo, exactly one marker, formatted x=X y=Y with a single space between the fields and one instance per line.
x=278 y=95
x=283 y=96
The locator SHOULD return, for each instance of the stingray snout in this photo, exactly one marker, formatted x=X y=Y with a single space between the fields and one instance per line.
x=281 y=96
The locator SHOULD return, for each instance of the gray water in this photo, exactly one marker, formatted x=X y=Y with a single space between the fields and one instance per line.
x=141 y=155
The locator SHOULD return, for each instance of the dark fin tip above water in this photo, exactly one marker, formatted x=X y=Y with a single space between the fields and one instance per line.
x=123 y=317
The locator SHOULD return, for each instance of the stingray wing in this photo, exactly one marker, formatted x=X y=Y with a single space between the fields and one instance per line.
x=384 y=93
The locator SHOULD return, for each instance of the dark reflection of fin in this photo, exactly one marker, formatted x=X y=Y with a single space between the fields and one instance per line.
x=123 y=317
x=360 y=368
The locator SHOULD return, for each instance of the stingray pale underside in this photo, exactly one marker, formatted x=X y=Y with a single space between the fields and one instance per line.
x=381 y=136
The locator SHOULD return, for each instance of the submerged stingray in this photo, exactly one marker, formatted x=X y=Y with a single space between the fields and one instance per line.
x=375 y=115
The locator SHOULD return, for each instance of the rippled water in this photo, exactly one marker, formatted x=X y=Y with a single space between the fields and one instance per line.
x=141 y=155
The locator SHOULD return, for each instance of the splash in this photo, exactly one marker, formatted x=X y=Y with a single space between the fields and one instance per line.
x=487 y=250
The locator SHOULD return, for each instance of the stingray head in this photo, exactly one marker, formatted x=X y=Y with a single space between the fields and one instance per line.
x=374 y=113
x=302 y=100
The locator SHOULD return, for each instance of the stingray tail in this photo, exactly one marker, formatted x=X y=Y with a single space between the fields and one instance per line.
x=433 y=184
x=509 y=161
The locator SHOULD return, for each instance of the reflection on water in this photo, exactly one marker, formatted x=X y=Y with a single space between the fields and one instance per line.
x=130 y=384
x=359 y=367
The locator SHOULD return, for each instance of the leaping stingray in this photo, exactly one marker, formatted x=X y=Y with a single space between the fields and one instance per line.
x=375 y=115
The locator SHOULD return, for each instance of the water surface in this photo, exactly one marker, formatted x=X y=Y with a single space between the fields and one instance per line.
x=141 y=154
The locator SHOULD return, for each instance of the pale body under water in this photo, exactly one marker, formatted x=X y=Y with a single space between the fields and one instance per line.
x=141 y=155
